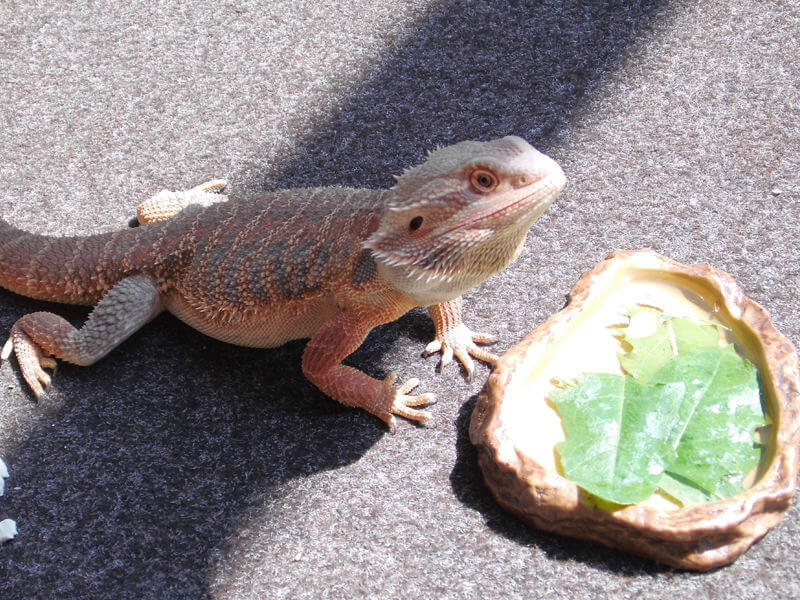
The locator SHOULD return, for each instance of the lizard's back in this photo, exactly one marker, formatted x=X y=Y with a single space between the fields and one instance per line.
x=236 y=270
x=265 y=270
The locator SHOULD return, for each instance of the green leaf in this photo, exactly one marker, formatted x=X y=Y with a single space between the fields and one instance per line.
x=617 y=432
x=683 y=419
x=682 y=491
x=649 y=343
x=718 y=416
x=691 y=334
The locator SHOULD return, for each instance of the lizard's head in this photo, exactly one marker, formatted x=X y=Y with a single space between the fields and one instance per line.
x=462 y=216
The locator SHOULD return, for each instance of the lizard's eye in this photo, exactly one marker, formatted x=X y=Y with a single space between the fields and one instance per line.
x=415 y=223
x=483 y=181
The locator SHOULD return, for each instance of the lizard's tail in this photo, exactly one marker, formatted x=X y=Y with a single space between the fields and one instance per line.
x=73 y=270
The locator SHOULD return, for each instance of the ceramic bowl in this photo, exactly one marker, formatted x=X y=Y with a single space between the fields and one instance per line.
x=515 y=429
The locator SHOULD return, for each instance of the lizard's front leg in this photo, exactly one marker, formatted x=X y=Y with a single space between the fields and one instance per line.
x=322 y=364
x=37 y=337
x=453 y=338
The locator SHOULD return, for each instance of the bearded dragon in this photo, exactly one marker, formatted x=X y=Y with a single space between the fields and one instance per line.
x=327 y=264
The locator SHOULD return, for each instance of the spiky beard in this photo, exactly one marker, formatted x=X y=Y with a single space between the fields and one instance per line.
x=470 y=254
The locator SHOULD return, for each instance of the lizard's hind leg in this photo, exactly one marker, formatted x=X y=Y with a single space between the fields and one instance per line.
x=167 y=204
x=37 y=337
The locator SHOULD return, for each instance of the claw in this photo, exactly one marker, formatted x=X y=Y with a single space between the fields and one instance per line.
x=408 y=385
x=32 y=361
x=402 y=405
x=485 y=356
x=485 y=338
x=459 y=342
x=462 y=355
x=447 y=356
x=432 y=347
x=392 y=423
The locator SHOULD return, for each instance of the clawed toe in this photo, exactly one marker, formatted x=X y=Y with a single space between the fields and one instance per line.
x=484 y=355
x=166 y=204
x=462 y=354
x=421 y=400
x=460 y=342
x=32 y=361
x=413 y=414
x=408 y=385
x=432 y=348
x=485 y=338
x=403 y=405
x=48 y=362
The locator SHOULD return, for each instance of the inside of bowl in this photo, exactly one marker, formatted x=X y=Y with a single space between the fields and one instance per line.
x=582 y=339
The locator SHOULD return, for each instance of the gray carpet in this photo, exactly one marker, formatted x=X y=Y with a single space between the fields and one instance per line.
x=180 y=467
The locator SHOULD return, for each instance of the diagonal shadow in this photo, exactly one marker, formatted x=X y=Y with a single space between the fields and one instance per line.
x=474 y=70
x=126 y=489
x=158 y=470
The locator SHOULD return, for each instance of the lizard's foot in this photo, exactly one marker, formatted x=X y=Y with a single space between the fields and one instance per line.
x=460 y=342
x=395 y=401
x=32 y=360
x=214 y=186
x=167 y=204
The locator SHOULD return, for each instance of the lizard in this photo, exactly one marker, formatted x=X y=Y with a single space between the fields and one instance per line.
x=328 y=264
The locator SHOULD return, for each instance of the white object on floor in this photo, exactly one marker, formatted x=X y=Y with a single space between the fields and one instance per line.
x=8 y=530
x=3 y=475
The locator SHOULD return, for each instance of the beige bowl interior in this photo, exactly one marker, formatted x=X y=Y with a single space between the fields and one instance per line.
x=587 y=344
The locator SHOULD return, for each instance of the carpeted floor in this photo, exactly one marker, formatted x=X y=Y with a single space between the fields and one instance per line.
x=180 y=467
